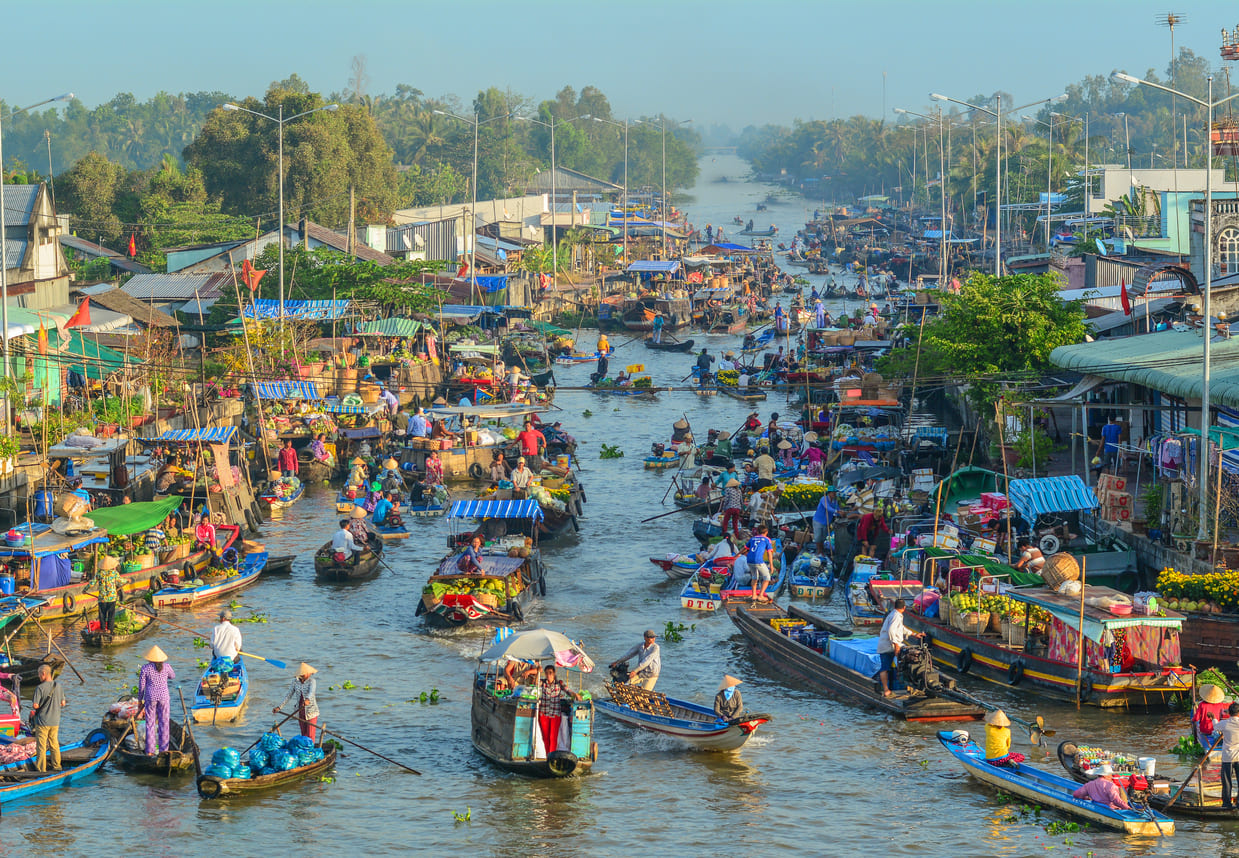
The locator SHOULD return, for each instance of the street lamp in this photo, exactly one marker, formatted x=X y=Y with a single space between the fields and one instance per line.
x=624 y=125
x=1127 y=140
x=664 y=199
x=941 y=191
x=997 y=113
x=1209 y=105
x=4 y=262
x=553 y=124
x=280 y=121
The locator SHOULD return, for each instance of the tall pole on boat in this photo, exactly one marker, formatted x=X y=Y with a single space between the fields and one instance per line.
x=1080 y=635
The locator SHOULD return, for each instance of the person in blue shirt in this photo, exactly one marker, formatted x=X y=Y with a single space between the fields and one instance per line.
x=1108 y=446
x=419 y=426
x=759 y=554
x=824 y=517
x=658 y=328
x=470 y=562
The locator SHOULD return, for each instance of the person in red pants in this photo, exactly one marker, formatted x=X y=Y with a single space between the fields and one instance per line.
x=552 y=693
x=733 y=503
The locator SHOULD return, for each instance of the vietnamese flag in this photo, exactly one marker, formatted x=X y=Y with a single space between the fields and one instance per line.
x=81 y=317
x=463 y=270
x=133 y=246
x=1126 y=301
x=251 y=275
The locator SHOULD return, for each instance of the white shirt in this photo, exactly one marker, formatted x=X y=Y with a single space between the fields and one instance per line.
x=225 y=640
x=343 y=542
x=725 y=364
x=893 y=632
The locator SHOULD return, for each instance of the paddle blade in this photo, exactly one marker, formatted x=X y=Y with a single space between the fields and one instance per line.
x=274 y=662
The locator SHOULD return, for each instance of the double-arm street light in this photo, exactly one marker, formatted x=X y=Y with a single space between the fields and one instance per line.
x=553 y=124
x=941 y=189
x=997 y=113
x=1209 y=104
x=664 y=199
x=4 y=258
x=623 y=125
x=280 y=122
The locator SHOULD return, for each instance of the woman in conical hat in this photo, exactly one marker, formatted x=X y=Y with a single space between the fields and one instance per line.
x=727 y=703
x=156 y=701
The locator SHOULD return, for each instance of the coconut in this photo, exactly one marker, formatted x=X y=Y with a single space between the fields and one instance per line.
x=1172 y=604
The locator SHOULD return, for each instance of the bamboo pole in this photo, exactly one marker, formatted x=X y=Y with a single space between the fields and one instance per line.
x=1080 y=635
x=1006 y=478
x=1217 y=505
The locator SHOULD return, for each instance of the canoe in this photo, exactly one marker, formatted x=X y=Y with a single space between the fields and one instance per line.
x=277 y=502
x=94 y=638
x=669 y=345
x=678 y=569
x=311 y=470
x=215 y=701
x=804 y=648
x=1200 y=799
x=211 y=787
x=703 y=590
x=745 y=396
x=130 y=754
x=78 y=759
x=670 y=459
x=758 y=233
x=1050 y=790
x=694 y=725
x=185 y=594
x=281 y=565
x=367 y=566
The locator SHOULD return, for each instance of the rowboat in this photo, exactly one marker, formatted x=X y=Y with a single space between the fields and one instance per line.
x=669 y=459
x=572 y=358
x=344 y=503
x=211 y=787
x=78 y=759
x=276 y=501
x=281 y=565
x=801 y=646
x=747 y=395
x=703 y=591
x=811 y=577
x=1050 y=790
x=759 y=233
x=221 y=700
x=694 y=725
x=367 y=566
x=131 y=755
x=669 y=345
x=678 y=568
x=1201 y=798
x=188 y=593
x=93 y=636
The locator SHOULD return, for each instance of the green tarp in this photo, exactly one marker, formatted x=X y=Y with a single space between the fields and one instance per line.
x=95 y=361
x=134 y=517
x=548 y=329
x=395 y=327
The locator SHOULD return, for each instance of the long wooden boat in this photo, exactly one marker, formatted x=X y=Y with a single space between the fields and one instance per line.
x=822 y=656
x=759 y=233
x=277 y=502
x=216 y=700
x=668 y=345
x=677 y=569
x=130 y=754
x=77 y=759
x=1050 y=790
x=311 y=470
x=451 y=599
x=503 y=730
x=746 y=395
x=694 y=725
x=211 y=787
x=368 y=565
x=572 y=358
x=96 y=638
x=669 y=459
x=1200 y=799
x=26 y=668
x=187 y=594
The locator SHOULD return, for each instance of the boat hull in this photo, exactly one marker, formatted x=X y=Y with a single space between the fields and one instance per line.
x=704 y=732
x=213 y=788
x=98 y=640
x=95 y=746
x=176 y=597
x=502 y=730
x=229 y=707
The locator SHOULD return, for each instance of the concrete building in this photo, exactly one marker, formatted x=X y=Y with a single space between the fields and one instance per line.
x=38 y=275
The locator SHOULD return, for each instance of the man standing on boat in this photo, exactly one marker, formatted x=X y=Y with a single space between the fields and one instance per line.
x=890 y=642
x=226 y=638
x=649 y=662
x=289 y=465
x=45 y=707
x=705 y=360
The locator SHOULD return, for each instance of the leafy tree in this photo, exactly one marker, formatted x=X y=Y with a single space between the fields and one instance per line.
x=89 y=191
x=323 y=273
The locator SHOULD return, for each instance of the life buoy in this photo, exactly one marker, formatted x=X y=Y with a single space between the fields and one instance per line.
x=1015 y=673
x=963 y=661
x=209 y=787
x=69 y=602
x=1049 y=544
x=1086 y=688
x=249 y=521
x=477 y=471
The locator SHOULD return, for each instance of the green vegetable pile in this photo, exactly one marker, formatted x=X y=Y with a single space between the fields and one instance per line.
x=127 y=623
x=472 y=587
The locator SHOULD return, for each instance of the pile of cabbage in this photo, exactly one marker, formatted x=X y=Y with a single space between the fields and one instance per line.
x=271 y=755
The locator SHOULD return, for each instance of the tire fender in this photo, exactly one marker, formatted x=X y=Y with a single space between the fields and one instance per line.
x=69 y=602
x=517 y=612
x=1015 y=673
x=209 y=787
x=1086 y=688
x=963 y=661
x=250 y=522
x=477 y=471
x=156 y=583
x=188 y=570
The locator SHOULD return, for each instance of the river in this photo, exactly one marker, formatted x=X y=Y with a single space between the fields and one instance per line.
x=823 y=778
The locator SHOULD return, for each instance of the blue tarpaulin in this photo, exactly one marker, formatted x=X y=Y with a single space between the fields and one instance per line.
x=47 y=543
x=462 y=311
x=361 y=434
x=337 y=408
x=286 y=390
x=208 y=434
x=1044 y=495
x=655 y=266
x=493 y=284
x=528 y=508
x=265 y=308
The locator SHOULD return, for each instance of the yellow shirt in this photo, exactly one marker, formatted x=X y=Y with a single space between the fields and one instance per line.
x=997 y=742
x=603 y=344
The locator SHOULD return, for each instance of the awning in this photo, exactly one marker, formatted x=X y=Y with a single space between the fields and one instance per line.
x=135 y=517
x=485 y=412
x=265 y=308
x=1082 y=387
x=456 y=312
x=101 y=321
x=93 y=360
x=362 y=433
x=655 y=266
x=495 y=283
x=528 y=508
x=202 y=435
x=1066 y=609
x=499 y=565
x=286 y=390
x=548 y=329
x=337 y=408
x=1045 y=495
x=395 y=327
x=480 y=349
x=47 y=542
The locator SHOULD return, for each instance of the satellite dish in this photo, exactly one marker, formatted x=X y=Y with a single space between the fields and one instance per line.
x=418 y=241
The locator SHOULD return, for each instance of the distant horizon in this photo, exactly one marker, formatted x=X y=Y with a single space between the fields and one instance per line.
x=717 y=63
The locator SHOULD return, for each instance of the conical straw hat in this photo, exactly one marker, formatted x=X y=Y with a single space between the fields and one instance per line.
x=155 y=654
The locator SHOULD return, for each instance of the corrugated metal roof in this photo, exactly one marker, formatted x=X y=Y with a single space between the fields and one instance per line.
x=118 y=302
x=176 y=287
x=19 y=203
x=1169 y=361
x=335 y=240
x=83 y=246
x=14 y=251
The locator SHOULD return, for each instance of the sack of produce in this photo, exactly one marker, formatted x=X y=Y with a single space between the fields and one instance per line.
x=305 y=757
x=259 y=759
x=298 y=744
x=318 y=754
x=217 y=771
x=271 y=742
x=243 y=772
x=266 y=770
x=282 y=761
x=226 y=757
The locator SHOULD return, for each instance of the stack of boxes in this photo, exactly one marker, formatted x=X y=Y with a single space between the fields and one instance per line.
x=1116 y=502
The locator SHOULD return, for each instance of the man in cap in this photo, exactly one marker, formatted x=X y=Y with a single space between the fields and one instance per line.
x=1103 y=789
x=226 y=638
x=45 y=708
x=727 y=703
x=301 y=692
x=520 y=478
x=649 y=662
x=156 y=705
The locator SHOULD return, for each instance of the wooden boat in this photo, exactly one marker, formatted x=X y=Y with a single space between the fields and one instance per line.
x=808 y=581
x=1200 y=799
x=739 y=588
x=703 y=591
x=749 y=394
x=77 y=759
x=188 y=593
x=368 y=564
x=868 y=599
x=216 y=700
x=678 y=569
x=344 y=503
x=26 y=668
x=669 y=459
x=800 y=645
x=759 y=233
x=312 y=470
x=390 y=531
x=694 y=725
x=281 y=565
x=1050 y=790
x=130 y=754
x=504 y=726
x=271 y=499
x=95 y=638
x=669 y=345
x=211 y=787
x=573 y=358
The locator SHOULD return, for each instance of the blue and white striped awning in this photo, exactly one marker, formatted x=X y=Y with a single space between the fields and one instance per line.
x=933 y=434
x=528 y=508
x=337 y=408
x=1045 y=495
x=286 y=390
x=207 y=434
x=266 y=308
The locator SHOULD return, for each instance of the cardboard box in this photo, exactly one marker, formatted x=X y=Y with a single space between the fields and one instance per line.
x=985 y=546
x=1111 y=483
x=1118 y=499
x=994 y=500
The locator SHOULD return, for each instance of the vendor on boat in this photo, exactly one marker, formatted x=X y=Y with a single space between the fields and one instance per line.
x=532 y=441
x=498 y=467
x=823 y=517
x=343 y=544
x=392 y=481
x=763 y=466
x=357 y=525
x=521 y=477
x=728 y=703
x=705 y=360
x=302 y=692
x=649 y=662
x=318 y=449
x=470 y=560
x=997 y=735
x=385 y=511
x=759 y=554
x=45 y=707
x=753 y=423
x=289 y=466
x=156 y=706
x=890 y=641
x=1103 y=789
x=226 y=638
x=1229 y=731
x=733 y=504
x=418 y=426
x=390 y=400
x=1211 y=711
x=1031 y=559
x=434 y=468
x=552 y=693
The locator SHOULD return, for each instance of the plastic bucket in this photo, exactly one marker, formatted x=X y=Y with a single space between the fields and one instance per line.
x=44 y=500
x=6 y=585
x=1148 y=765
x=561 y=461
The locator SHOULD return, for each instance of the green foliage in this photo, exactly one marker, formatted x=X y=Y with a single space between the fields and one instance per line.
x=673 y=631
x=995 y=328
x=324 y=273
x=611 y=452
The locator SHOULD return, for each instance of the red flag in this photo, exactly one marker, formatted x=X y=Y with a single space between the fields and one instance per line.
x=81 y=317
x=463 y=270
x=42 y=339
x=1124 y=299
x=133 y=246
x=251 y=275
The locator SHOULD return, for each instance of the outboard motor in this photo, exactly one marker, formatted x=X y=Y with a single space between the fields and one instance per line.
x=916 y=664
x=658 y=449
x=620 y=674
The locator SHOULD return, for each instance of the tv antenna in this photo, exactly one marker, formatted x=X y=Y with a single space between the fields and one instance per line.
x=1172 y=20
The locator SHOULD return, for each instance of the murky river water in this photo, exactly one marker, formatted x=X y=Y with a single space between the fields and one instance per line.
x=824 y=778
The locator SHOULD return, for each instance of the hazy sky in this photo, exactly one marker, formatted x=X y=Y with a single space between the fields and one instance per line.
x=723 y=61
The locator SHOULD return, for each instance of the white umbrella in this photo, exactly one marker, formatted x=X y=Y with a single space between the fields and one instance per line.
x=540 y=645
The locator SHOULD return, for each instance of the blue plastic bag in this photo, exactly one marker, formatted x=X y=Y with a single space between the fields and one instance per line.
x=218 y=771
x=226 y=757
x=244 y=772
x=259 y=758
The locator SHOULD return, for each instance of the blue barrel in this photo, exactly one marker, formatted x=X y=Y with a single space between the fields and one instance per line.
x=6 y=585
x=44 y=501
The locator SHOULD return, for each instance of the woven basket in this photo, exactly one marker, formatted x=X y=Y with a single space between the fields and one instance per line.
x=488 y=600
x=995 y=623
x=973 y=622
x=1012 y=632
x=1060 y=568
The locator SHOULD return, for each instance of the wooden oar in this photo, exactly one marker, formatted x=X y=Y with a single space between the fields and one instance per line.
x=677 y=509
x=1188 y=779
x=274 y=662
x=363 y=747
x=80 y=678
x=189 y=727
x=272 y=730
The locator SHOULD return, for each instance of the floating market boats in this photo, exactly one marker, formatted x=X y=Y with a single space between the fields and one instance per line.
x=696 y=726
x=505 y=722
x=283 y=493
x=703 y=591
x=130 y=754
x=367 y=566
x=1050 y=790
x=669 y=345
x=222 y=692
x=213 y=786
x=129 y=626
x=78 y=759
x=219 y=581
x=1200 y=798
x=868 y=597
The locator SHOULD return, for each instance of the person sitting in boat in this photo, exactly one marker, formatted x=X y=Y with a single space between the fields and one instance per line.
x=727 y=703
x=499 y=469
x=997 y=735
x=552 y=693
x=787 y=456
x=753 y=423
x=728 y=362
x=343 y=546
x=649 y=661
x=1031 y=559
x=1208 y=714
x=357 y=525
x=470 y=560
x=1103 y=789
x=520 y=477
x=385 y=514
x=318 y=449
